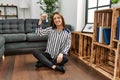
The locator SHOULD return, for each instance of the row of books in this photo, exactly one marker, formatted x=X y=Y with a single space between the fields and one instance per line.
x=103 y=34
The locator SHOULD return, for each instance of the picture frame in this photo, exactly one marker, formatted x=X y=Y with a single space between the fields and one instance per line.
x=88 y=28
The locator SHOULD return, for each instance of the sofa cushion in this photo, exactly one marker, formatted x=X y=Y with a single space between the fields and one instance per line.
x=25 y=45
x=34 y=37
x=2 y=41
x=14 y=37
x=30 y=25
x=11 y=26
x=45 y=24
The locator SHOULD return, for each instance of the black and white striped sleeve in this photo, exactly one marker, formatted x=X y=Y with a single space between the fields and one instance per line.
x=39 y=31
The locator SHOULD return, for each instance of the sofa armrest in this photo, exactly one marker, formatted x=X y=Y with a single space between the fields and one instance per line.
x=2 y=41
x=2 y=49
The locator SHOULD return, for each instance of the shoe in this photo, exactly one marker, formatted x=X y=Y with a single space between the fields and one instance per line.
x=60 y=68
x=38 y=65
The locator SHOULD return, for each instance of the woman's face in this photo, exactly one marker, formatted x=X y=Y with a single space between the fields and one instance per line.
x=57 y=20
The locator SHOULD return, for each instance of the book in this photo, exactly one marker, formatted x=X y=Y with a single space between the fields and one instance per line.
x=100 y=34
x=106 y=35
x=118 y=29
x=97 y=37
x=103 y=34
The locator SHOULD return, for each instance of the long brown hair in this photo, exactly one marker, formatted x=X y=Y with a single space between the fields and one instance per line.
x=52 y=21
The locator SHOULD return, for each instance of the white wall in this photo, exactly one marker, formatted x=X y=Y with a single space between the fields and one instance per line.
x=35 y=9
x=5 y=2
x=69 y=11
x=80 y=15
x=72 y=10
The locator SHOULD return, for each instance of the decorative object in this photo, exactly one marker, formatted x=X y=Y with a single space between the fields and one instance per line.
x=8 y=11
x=115 y=3
x=88 y=28
x=49 y=6
x=24 y=5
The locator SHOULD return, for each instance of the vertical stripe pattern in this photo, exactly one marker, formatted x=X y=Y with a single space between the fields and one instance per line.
x=58 y=42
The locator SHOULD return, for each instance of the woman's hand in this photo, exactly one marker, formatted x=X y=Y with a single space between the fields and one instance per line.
x=59 y=58
x=42 y=17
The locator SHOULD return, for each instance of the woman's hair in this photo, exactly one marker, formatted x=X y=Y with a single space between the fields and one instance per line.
x=52 y=21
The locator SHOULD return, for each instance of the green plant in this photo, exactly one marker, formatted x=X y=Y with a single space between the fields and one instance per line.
x=49 y=6
x=114 y=1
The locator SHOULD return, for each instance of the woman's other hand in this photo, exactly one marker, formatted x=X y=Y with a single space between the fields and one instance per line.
x=59 y=58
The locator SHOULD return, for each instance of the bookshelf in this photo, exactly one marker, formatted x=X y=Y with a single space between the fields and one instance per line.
x=81 y=46
x=75 y=43
x=8 y=11
x=103 y=57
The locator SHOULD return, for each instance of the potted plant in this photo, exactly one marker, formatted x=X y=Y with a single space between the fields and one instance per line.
x=115 y=3
x=49 y=6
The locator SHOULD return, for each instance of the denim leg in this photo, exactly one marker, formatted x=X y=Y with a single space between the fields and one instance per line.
x=43 y=59
x=65 y=60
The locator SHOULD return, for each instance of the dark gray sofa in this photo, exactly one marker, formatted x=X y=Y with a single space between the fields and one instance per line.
x=18 y=35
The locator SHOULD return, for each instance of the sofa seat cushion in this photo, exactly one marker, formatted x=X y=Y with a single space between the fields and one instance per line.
x=24 y=45
x=35 y=37
x=14 y=37
x=2 y=41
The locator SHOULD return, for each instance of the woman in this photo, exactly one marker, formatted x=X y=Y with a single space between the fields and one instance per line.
x=59 y=41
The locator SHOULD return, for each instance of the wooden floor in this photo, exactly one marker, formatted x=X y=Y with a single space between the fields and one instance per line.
x=21 y=67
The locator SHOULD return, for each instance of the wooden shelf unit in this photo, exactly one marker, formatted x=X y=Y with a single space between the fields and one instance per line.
x=4 y=11
x=116 y=44
x=75 y=43
x=106 y=57
x=81 y=45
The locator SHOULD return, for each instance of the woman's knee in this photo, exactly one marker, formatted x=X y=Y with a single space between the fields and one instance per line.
x=65 y=59
x=35 y=52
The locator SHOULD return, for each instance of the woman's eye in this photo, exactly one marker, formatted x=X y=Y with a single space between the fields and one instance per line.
x=54 y=18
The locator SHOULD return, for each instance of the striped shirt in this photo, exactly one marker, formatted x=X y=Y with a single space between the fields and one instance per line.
x=58 y=42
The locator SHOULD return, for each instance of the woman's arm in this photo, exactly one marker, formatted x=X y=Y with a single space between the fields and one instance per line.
x=39 y=30
x=67 y=44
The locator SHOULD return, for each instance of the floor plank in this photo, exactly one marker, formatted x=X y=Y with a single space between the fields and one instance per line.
x=21 y=67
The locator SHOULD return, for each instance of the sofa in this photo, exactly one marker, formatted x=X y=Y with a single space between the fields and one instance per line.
x=2 y=48
x=18 y=36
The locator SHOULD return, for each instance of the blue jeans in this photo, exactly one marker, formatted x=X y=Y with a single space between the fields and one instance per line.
x=46 y=59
